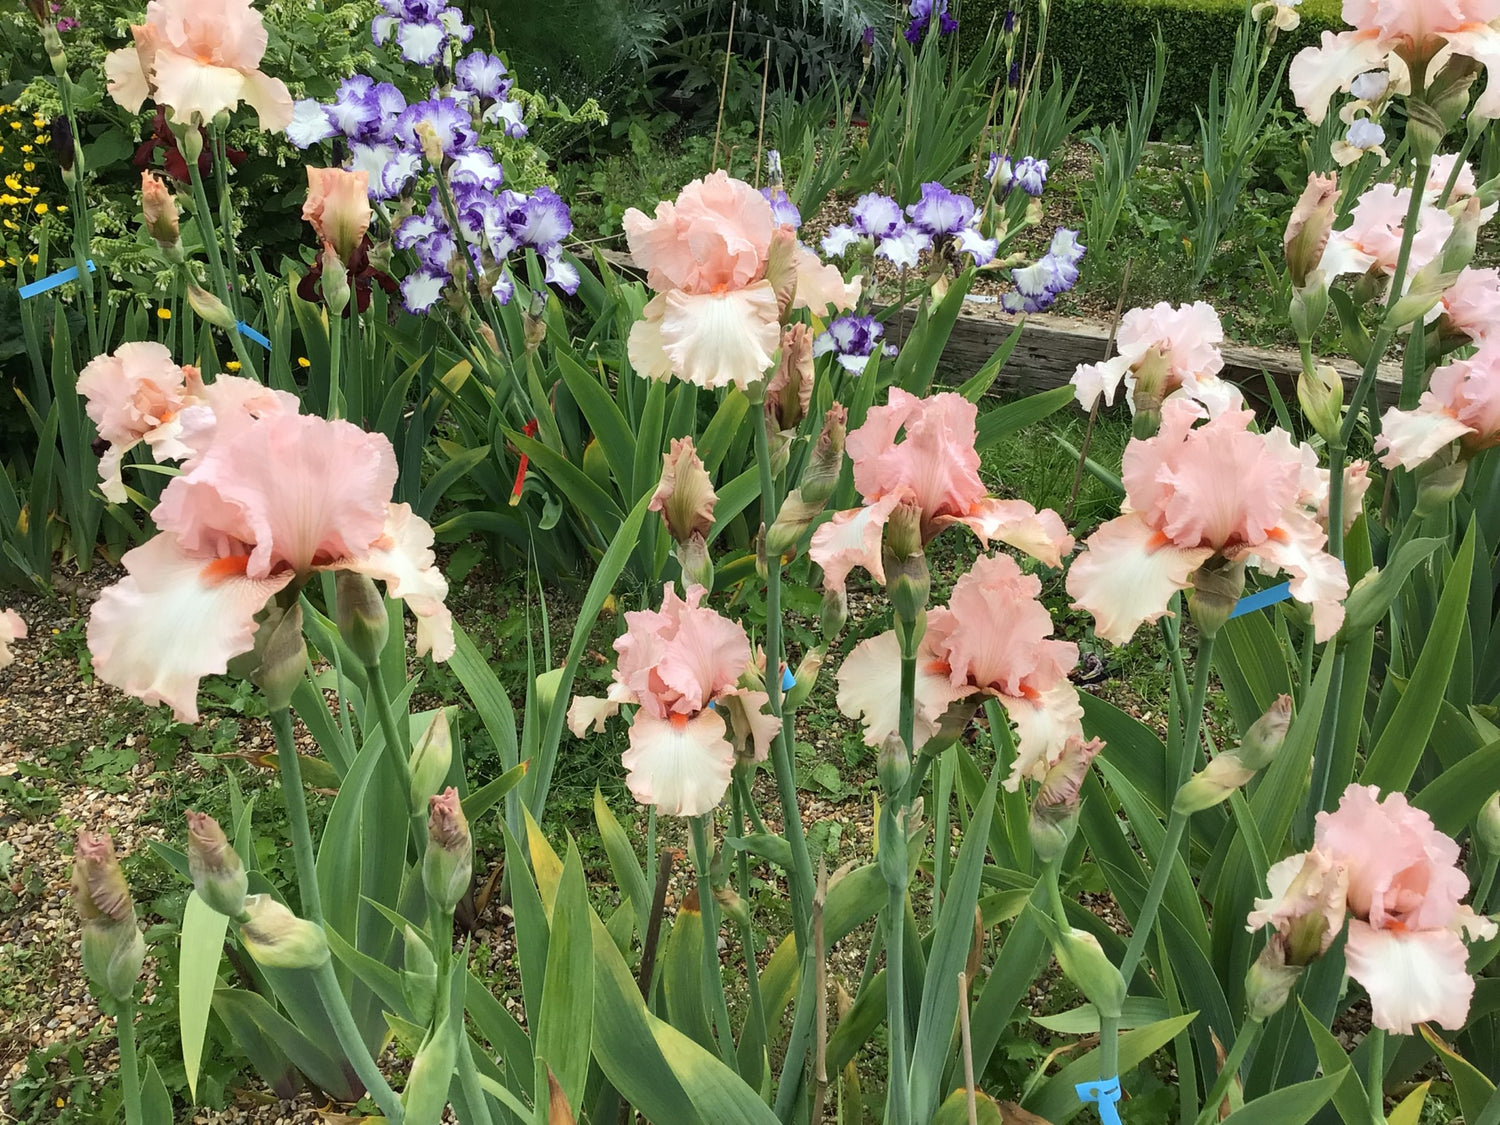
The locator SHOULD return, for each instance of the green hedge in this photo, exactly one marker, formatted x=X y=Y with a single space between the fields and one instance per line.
x=1108 y=43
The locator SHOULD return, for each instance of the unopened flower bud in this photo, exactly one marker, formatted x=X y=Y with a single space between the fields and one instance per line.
x=806 y=676
x=1438 y=486
x=1310 y=225
x=113 y=949
x=282 y=654
x=1082 y=960
x=334 y=284
x=1269 y=983
x=189 y=141
x=1309 y=305
x=533 y=324
x=907 y=580
x=697 y=565
x=789 y=392
x=65 y=148
x=218 y=875
x=1434 y=279
x=448 y=864
x=1217 y=586
x=210 y=308
x=893 y=766
x=820 y=476
x=1213 y=783
x=685 y=495
x=418 y=976
x=430 y=758
x=159 y=210
x=732 y=905
x=1487 y=826
x=1264 y=739
x=363 y=621
x=1054 y=813
x=277 y=939
x=832 y=614
x=431 y=145
x=781 y=268
x=1321 y=393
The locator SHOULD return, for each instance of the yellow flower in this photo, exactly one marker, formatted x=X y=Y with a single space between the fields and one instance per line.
x=38 y=122
x=31 y=189
x=164 y=314
x=303 y=361
x=25 y=148
x=43 y=138
x=10 y=225
x=15 y=124
x=32 y=259
x=232 y=365
x=41 y=208
x=13 y=182
x=61 y=207
x=28 y=166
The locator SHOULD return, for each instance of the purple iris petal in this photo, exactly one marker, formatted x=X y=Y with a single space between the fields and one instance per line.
x=1031 y=175
x=941 y=211
x=483 y=75
x=784 y=212
x=454 y=127
x=876 y=215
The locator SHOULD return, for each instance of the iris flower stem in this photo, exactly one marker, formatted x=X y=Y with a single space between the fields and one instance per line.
x=782 y=748
x=226 y=216
x=353 y=1043
x=335 y=362
x=755 y=1022
x=1375 y=1084
x=130 y=1071
x=1245 y=1039
x=296 y=812
x=713 y=974
x=78 y=199
x=216 y=273
x=1109 y=1029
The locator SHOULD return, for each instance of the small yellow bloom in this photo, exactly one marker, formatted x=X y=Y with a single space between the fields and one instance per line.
x=33 y=259
x=15 y=124
x=32 y=189
x=41 y=208
x=13 y=182
x=303 y=361
x=164 y=314
x=61 y=207
x=10 y=225
x=43 y=138
x=25 y=148
x=232 y=365
x=29 y=166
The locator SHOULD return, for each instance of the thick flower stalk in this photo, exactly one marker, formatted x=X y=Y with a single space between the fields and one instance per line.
x=688 y=670
x=1162 y=352
x=1385 y=865
x=1201 y=502
x=1461 y=404
x=935 y=469
x=720 y=290
x=992 y=640
x=272 y=500
x=198 y=60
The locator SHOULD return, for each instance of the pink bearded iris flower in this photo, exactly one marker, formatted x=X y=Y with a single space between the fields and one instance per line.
x=1395 y=35
x=715 y=319
x=1397 y=876
x=12 y=628
x=1163 y=351
x=936 y=469
x=1471 y=306
x=1462 y=403
x=272 y=500
x=1372 y=240
x=1195 y=493
x=994 y=638
x=682 y=666
x=199 y=60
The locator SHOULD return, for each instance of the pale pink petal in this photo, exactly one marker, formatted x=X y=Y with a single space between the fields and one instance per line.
x=719 y=339
x=1412 y=976
x=270 y=99
x=132 y=391
x=224 y=408
x=187 y=87
x=1410 y=438
x=12 y=628
x=588 y=711
x=681 y=765
x=852 y=539
x=870 y=690
x=1476 y=927
x=704 y=657
x=1041 y=534
x=173 y=619
x=822 y=288
x=1127 y=575
x=126 y=79
x=644 y=346
x=1093 y=380
x=1317 y=578
x=715 y=236
x=295 y=490
x=402 y=558
x=1044 y=724
x=935 y=462
x=1472 y=302
x=111 y=483
x=1481 y=42
x=1317 y=73
x=1300 y=886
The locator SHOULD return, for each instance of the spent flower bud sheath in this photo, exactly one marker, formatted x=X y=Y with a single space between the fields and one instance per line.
x=1269 y=983
x=431 y=759
x=1217 y=586
x=362 y=618
x=218 y=875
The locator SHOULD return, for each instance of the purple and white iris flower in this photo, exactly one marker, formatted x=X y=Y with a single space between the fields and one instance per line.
x=923 y=13
x=421 y=29
x=1038 y=285
x=1028 y=173
x=853 y=340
